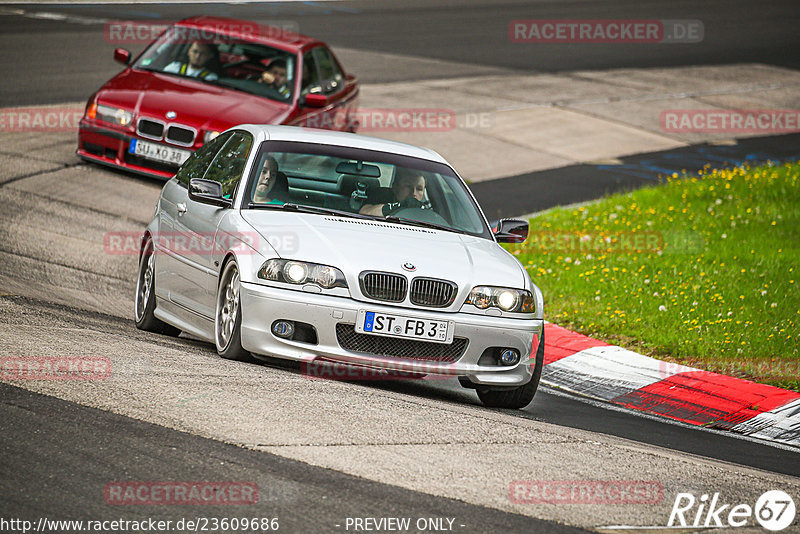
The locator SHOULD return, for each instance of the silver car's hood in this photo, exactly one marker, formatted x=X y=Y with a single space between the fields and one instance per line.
x=356 y=245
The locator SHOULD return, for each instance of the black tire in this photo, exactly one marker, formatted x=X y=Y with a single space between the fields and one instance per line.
x=515 y=398
x=145 y=299
x=227 y=329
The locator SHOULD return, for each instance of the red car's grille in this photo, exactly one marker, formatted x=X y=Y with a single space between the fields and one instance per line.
x=180 y=135
x=149 y=128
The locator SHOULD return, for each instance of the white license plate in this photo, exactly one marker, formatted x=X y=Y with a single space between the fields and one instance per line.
x=391 y=325
x=158 y=152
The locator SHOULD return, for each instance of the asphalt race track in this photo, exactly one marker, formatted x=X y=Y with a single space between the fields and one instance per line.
x=325 y=451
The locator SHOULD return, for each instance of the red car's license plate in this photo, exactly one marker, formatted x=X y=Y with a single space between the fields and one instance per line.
x=155 y=151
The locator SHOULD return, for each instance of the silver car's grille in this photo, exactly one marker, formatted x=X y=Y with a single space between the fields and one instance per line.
x=432 y=292
x=150 y=128
x=411 y=349
x=384 y=286
x=180 y=135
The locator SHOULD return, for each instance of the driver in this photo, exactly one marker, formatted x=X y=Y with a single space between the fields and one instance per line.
x=408 y=189
x=275 y=77
x=200 y=56
x=265 y=191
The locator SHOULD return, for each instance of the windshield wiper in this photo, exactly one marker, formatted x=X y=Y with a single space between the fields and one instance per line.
x=425 y=224
x=308 y=209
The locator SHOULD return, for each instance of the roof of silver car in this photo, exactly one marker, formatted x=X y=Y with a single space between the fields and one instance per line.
x=329 y=137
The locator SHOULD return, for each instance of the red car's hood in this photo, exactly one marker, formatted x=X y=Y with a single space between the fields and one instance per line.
x=197 y=104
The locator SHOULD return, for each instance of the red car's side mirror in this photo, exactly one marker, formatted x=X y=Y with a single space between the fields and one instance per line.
x=122 y=56
x=315 y=100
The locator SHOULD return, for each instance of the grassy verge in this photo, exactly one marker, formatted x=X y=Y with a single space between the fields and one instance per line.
x=701 y=271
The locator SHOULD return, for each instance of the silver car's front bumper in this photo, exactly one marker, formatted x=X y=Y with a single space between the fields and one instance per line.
x=262 y=305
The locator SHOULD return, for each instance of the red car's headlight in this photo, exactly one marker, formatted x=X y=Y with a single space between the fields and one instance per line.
x=109 y=114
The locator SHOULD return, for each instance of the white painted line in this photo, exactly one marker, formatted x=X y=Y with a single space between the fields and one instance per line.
x=608 y=372
x=780 y=424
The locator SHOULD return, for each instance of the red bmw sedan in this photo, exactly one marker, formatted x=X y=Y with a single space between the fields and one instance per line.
x=202 y=76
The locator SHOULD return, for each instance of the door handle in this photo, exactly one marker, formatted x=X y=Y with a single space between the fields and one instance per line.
x=181 y=208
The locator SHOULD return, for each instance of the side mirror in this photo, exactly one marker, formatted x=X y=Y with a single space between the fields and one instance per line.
x=316 y=100
x=510 y=230
x=207 y=192
x=122 y=56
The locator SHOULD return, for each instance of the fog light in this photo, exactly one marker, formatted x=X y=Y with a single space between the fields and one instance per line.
x=284 y=329
x=509 y=357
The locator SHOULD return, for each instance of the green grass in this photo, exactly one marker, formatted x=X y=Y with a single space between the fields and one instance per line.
x=701 y=270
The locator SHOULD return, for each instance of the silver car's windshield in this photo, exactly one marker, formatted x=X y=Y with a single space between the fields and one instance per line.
x=363 y=183
x=219 y=59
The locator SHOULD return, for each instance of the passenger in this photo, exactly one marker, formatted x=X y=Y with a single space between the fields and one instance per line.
x=408 y=189
x=268 y=189
x=275 y=77
x=201 y=59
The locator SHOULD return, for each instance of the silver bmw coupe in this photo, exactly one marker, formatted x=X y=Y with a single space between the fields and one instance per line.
x=316 y=246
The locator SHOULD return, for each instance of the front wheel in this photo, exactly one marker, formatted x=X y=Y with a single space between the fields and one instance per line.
x=515 y=398
x=228 y=317
x=146 y=295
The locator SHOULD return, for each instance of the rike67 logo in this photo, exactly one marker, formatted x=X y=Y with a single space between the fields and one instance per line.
x=774 y=510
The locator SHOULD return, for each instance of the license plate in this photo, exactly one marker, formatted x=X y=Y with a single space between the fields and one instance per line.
x=155 y=151
x=391 y=325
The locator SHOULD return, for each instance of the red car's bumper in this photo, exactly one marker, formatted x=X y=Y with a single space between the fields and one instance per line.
x=109 y=146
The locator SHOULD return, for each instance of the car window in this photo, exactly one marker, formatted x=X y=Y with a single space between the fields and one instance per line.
x=197 y=164
x=310 y=75
x=330 y=73
x=228 y=165
x=360 y=181
x=223 y=60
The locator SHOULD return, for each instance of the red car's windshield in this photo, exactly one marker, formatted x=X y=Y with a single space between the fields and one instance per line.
x=222 y=60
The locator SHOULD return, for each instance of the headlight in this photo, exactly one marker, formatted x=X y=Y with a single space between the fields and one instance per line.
x=510 y=300
x=209 y=136
x=111 y=115
x=301 y=272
